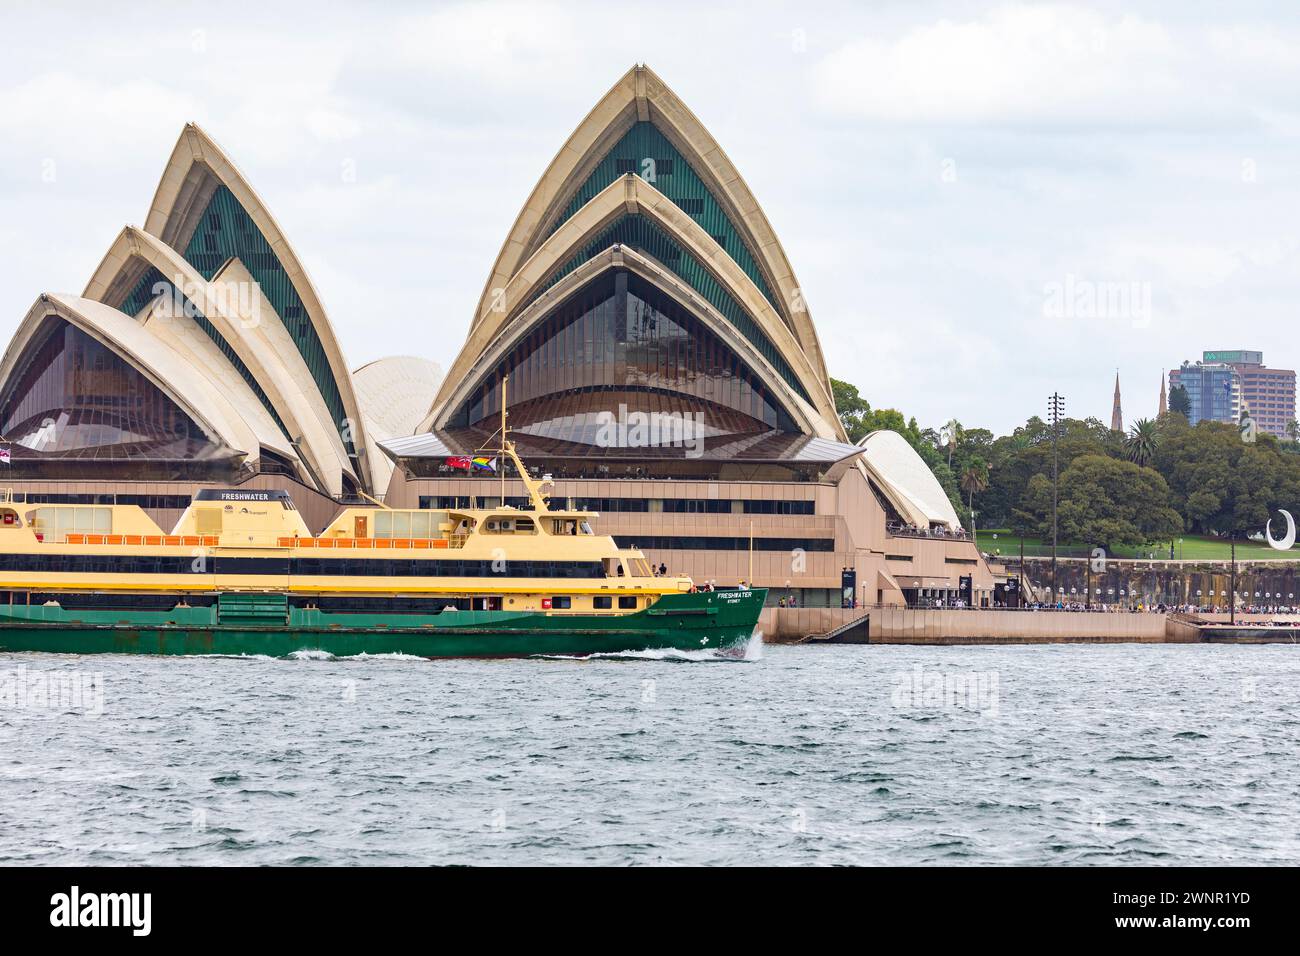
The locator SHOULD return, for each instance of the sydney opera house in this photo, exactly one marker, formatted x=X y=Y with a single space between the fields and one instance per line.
x=649 y=335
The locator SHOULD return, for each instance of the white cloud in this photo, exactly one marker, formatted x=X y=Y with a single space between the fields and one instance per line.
x=65 y=112
x=499 y=44
x=331 y=126
x=1017 y=64
x=1114 y=155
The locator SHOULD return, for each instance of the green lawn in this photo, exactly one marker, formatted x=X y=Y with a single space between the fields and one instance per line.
x=1189 y=547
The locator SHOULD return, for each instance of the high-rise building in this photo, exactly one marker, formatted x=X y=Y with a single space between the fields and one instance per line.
x=1225 y=385
x=1213 y=391
x=1267 y=394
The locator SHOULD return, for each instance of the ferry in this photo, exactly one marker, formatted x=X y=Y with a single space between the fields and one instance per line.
x=241 y=574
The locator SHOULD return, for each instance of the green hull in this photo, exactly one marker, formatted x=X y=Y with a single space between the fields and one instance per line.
x=265 y=624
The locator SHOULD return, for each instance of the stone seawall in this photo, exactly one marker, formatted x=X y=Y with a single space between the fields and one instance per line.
x=895 y=625
x=903 y=626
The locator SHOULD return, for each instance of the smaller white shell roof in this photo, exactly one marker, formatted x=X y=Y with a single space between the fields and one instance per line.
x=395 y=392
x=907 y=479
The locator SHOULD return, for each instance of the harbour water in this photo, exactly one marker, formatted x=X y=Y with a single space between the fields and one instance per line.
x=1120 y=754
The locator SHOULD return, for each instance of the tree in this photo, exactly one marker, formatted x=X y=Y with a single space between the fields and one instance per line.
x=974 y=479
x=1198 y=462
x=950 y=435
x=1180 y=402
x=1293 y=430
x=1142 y=441
x=851 y=407
x=1107 y=502
x=1014 y=459
x=1033 y=508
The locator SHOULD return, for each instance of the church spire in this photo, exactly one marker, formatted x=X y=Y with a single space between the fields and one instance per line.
x=1164 y=405
x=1116 y=412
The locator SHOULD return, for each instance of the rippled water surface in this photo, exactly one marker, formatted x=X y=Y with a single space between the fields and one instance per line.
x=823 y=755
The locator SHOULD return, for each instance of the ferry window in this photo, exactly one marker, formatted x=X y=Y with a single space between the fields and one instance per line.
x=602 y=602
x=563 y=602
x=627 y=602
x=404 y=524
x=524 y=526
x=57 y=523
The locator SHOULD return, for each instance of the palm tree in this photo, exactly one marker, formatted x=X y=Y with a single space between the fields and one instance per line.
x=1142 y=441
x=951 y=432
x=1293 y=430
x=974 y=480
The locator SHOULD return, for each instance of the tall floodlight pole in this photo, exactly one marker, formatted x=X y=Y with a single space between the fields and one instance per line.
x=1055 y=411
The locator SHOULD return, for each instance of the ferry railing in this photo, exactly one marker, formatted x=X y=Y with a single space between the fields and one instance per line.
x=362 y=544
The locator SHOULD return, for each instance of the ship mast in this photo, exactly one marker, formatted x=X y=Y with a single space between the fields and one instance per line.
x=536 y=488
x=501 y=460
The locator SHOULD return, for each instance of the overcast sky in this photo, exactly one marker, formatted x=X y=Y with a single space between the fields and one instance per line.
x=982 y=202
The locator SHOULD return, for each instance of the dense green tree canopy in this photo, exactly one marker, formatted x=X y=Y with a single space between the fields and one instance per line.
x=1165 y=477
x=1106 y=502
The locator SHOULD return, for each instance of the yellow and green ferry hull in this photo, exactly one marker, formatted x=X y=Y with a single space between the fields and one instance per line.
x=266 y=624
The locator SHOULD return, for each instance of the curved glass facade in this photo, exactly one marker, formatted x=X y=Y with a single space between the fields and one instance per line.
x=638 y=232
x=72 y=397
x=616 y=347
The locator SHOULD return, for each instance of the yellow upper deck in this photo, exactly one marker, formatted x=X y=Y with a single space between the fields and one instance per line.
x=252 y=522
